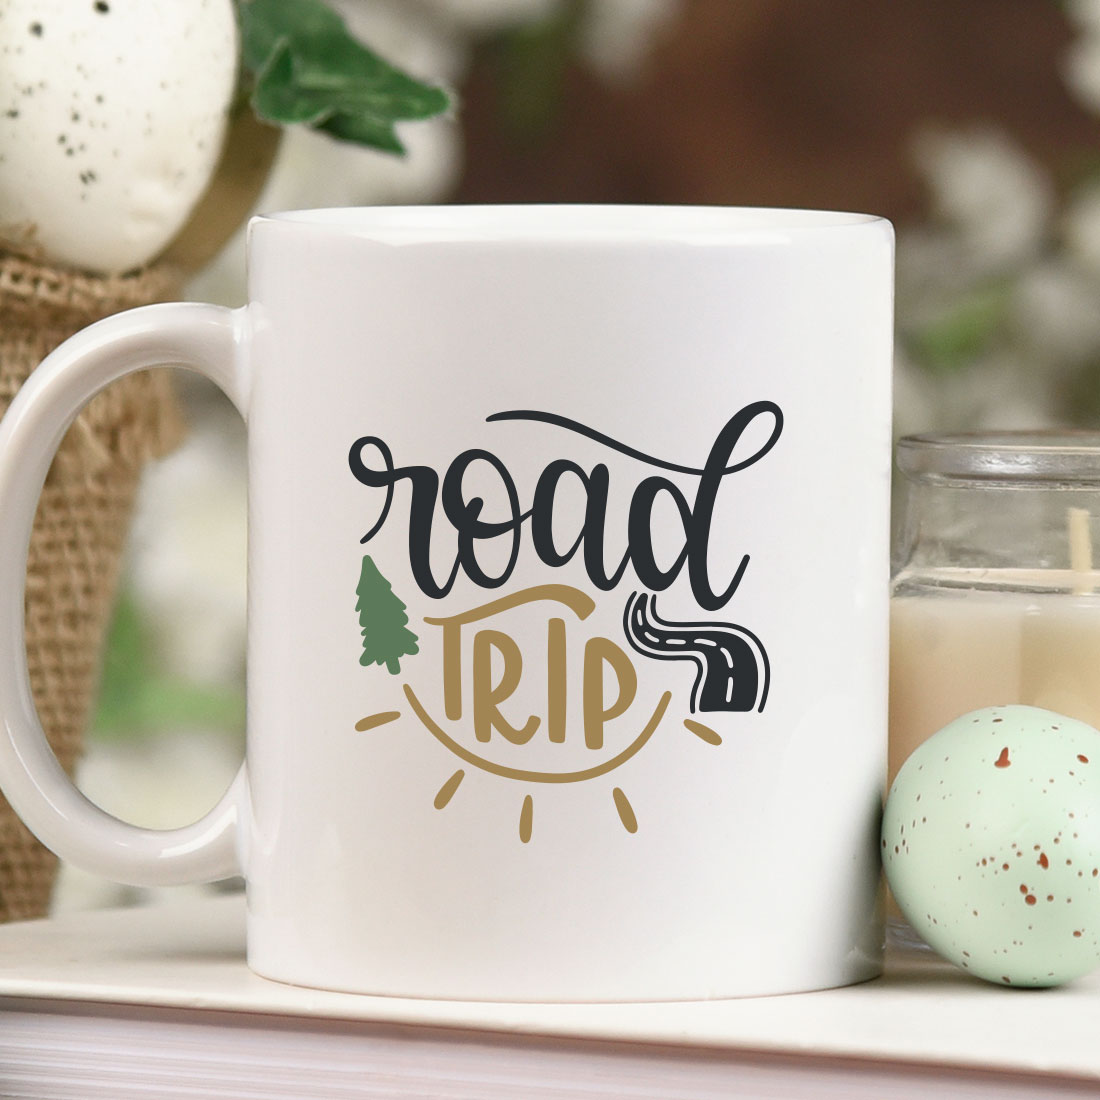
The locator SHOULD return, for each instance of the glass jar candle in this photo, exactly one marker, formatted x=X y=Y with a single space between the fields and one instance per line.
x=995 y=598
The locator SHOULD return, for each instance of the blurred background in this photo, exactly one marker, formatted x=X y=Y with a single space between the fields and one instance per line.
x=972 y=126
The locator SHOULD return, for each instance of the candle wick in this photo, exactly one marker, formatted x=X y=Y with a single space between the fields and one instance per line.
x=1080 y=549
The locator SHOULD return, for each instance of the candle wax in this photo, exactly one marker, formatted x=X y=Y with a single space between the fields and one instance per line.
x=960 y=649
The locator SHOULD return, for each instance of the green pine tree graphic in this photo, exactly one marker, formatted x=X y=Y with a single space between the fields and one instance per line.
x=386 y=639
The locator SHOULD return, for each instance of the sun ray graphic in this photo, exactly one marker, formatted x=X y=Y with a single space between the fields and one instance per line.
x=626 y=811
x=525 y=817
x=373 y=720
x=704 y=733
x=446 y=792
x=527 y=811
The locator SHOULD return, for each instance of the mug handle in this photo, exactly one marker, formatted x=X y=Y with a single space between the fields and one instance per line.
x=211 y=340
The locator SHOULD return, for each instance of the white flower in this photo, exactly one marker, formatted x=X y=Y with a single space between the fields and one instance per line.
x=1081 y=229
x=1007 y=388
x=407 y=34
x=1003 y=392
x=617 y=34
x=479 y=16
x=312 y=169
x=1085 y=13
x=188 y=553
x=934 y=267
x=1081 y=64
x=1055 y=313
x=989 y=193
x=915 y=405
x=1081 y=70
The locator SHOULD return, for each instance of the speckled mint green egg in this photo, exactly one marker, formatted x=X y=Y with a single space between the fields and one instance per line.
x=991 y=845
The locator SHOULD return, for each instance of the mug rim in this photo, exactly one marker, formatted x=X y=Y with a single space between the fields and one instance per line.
x=570 y=221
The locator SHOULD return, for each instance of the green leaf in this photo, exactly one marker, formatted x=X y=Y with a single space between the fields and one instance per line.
x=960 y=335
x=308 y=70
x=265 y=22
x=137 y=698
x=533 y=63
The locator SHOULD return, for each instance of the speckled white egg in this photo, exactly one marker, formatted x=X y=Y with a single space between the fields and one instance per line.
x=991 y=844
x=112 y=114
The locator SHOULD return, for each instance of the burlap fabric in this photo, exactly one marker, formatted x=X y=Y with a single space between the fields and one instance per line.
x=81 y=526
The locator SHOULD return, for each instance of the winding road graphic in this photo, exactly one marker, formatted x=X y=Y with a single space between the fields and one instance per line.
x=733 y=666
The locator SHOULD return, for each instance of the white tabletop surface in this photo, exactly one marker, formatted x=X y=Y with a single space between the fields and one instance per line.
x=191 y=956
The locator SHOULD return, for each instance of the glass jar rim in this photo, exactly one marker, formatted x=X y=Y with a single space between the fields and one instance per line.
x=1063 y=455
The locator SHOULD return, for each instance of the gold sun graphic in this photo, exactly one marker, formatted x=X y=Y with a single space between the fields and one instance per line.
x=527 y=810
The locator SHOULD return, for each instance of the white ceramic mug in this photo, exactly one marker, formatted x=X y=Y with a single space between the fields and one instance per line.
x=567 y=599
